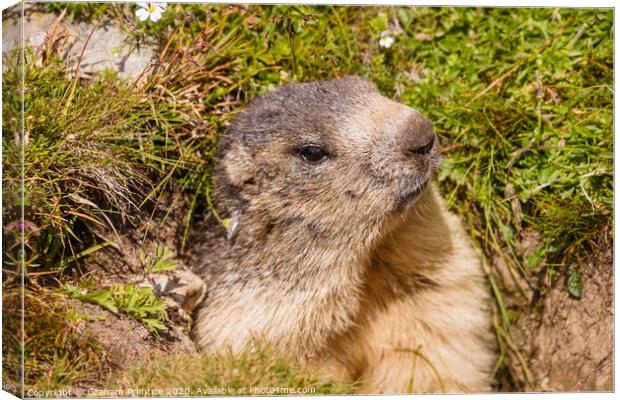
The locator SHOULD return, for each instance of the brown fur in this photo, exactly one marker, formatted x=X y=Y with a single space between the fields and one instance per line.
x=352 y=263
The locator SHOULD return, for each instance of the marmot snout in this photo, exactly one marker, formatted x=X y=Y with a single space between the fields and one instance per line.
x=343 y=254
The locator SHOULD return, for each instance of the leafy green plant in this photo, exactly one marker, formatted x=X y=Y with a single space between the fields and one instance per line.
x=574 y=282
x=137 y=302
x=161 y=261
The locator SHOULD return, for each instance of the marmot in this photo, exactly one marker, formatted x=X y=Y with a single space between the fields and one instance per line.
x=340 y=250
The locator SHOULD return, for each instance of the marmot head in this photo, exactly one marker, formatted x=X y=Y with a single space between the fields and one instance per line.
x=333 y=156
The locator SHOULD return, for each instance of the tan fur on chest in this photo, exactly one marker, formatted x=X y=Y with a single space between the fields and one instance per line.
x=423 y=325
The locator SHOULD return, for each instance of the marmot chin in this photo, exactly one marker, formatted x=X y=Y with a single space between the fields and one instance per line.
x=340 y=250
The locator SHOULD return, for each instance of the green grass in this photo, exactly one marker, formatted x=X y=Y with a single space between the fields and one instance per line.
x=243 y=373
x=58 y=353
x=521 y=99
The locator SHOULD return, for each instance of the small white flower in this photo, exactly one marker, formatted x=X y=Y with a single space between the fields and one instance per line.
x=386 y=40
x=152 y=11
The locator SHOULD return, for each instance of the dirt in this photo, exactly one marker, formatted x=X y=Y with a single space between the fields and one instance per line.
x=127 y=341
x=569 y=341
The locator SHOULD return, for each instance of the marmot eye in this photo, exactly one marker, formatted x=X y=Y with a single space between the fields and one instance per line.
x=312 y=153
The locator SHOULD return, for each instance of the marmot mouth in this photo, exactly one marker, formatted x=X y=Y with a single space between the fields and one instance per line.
x=405 y=199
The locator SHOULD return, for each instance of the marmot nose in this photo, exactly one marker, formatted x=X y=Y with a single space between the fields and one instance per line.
x=422 y=147
x=419 y=137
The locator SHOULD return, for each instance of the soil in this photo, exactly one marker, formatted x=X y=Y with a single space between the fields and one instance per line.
x=128 y=342
x=569 y=342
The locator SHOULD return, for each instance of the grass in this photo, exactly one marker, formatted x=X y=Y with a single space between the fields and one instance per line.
x=253 y=371
x=58 y=352
x=529 y=144
x=521 y=99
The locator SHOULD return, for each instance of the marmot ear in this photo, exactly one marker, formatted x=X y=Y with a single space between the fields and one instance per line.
x=240 y=169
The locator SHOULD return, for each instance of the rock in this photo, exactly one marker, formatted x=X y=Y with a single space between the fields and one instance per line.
x=181 y=285
x=108 y=46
